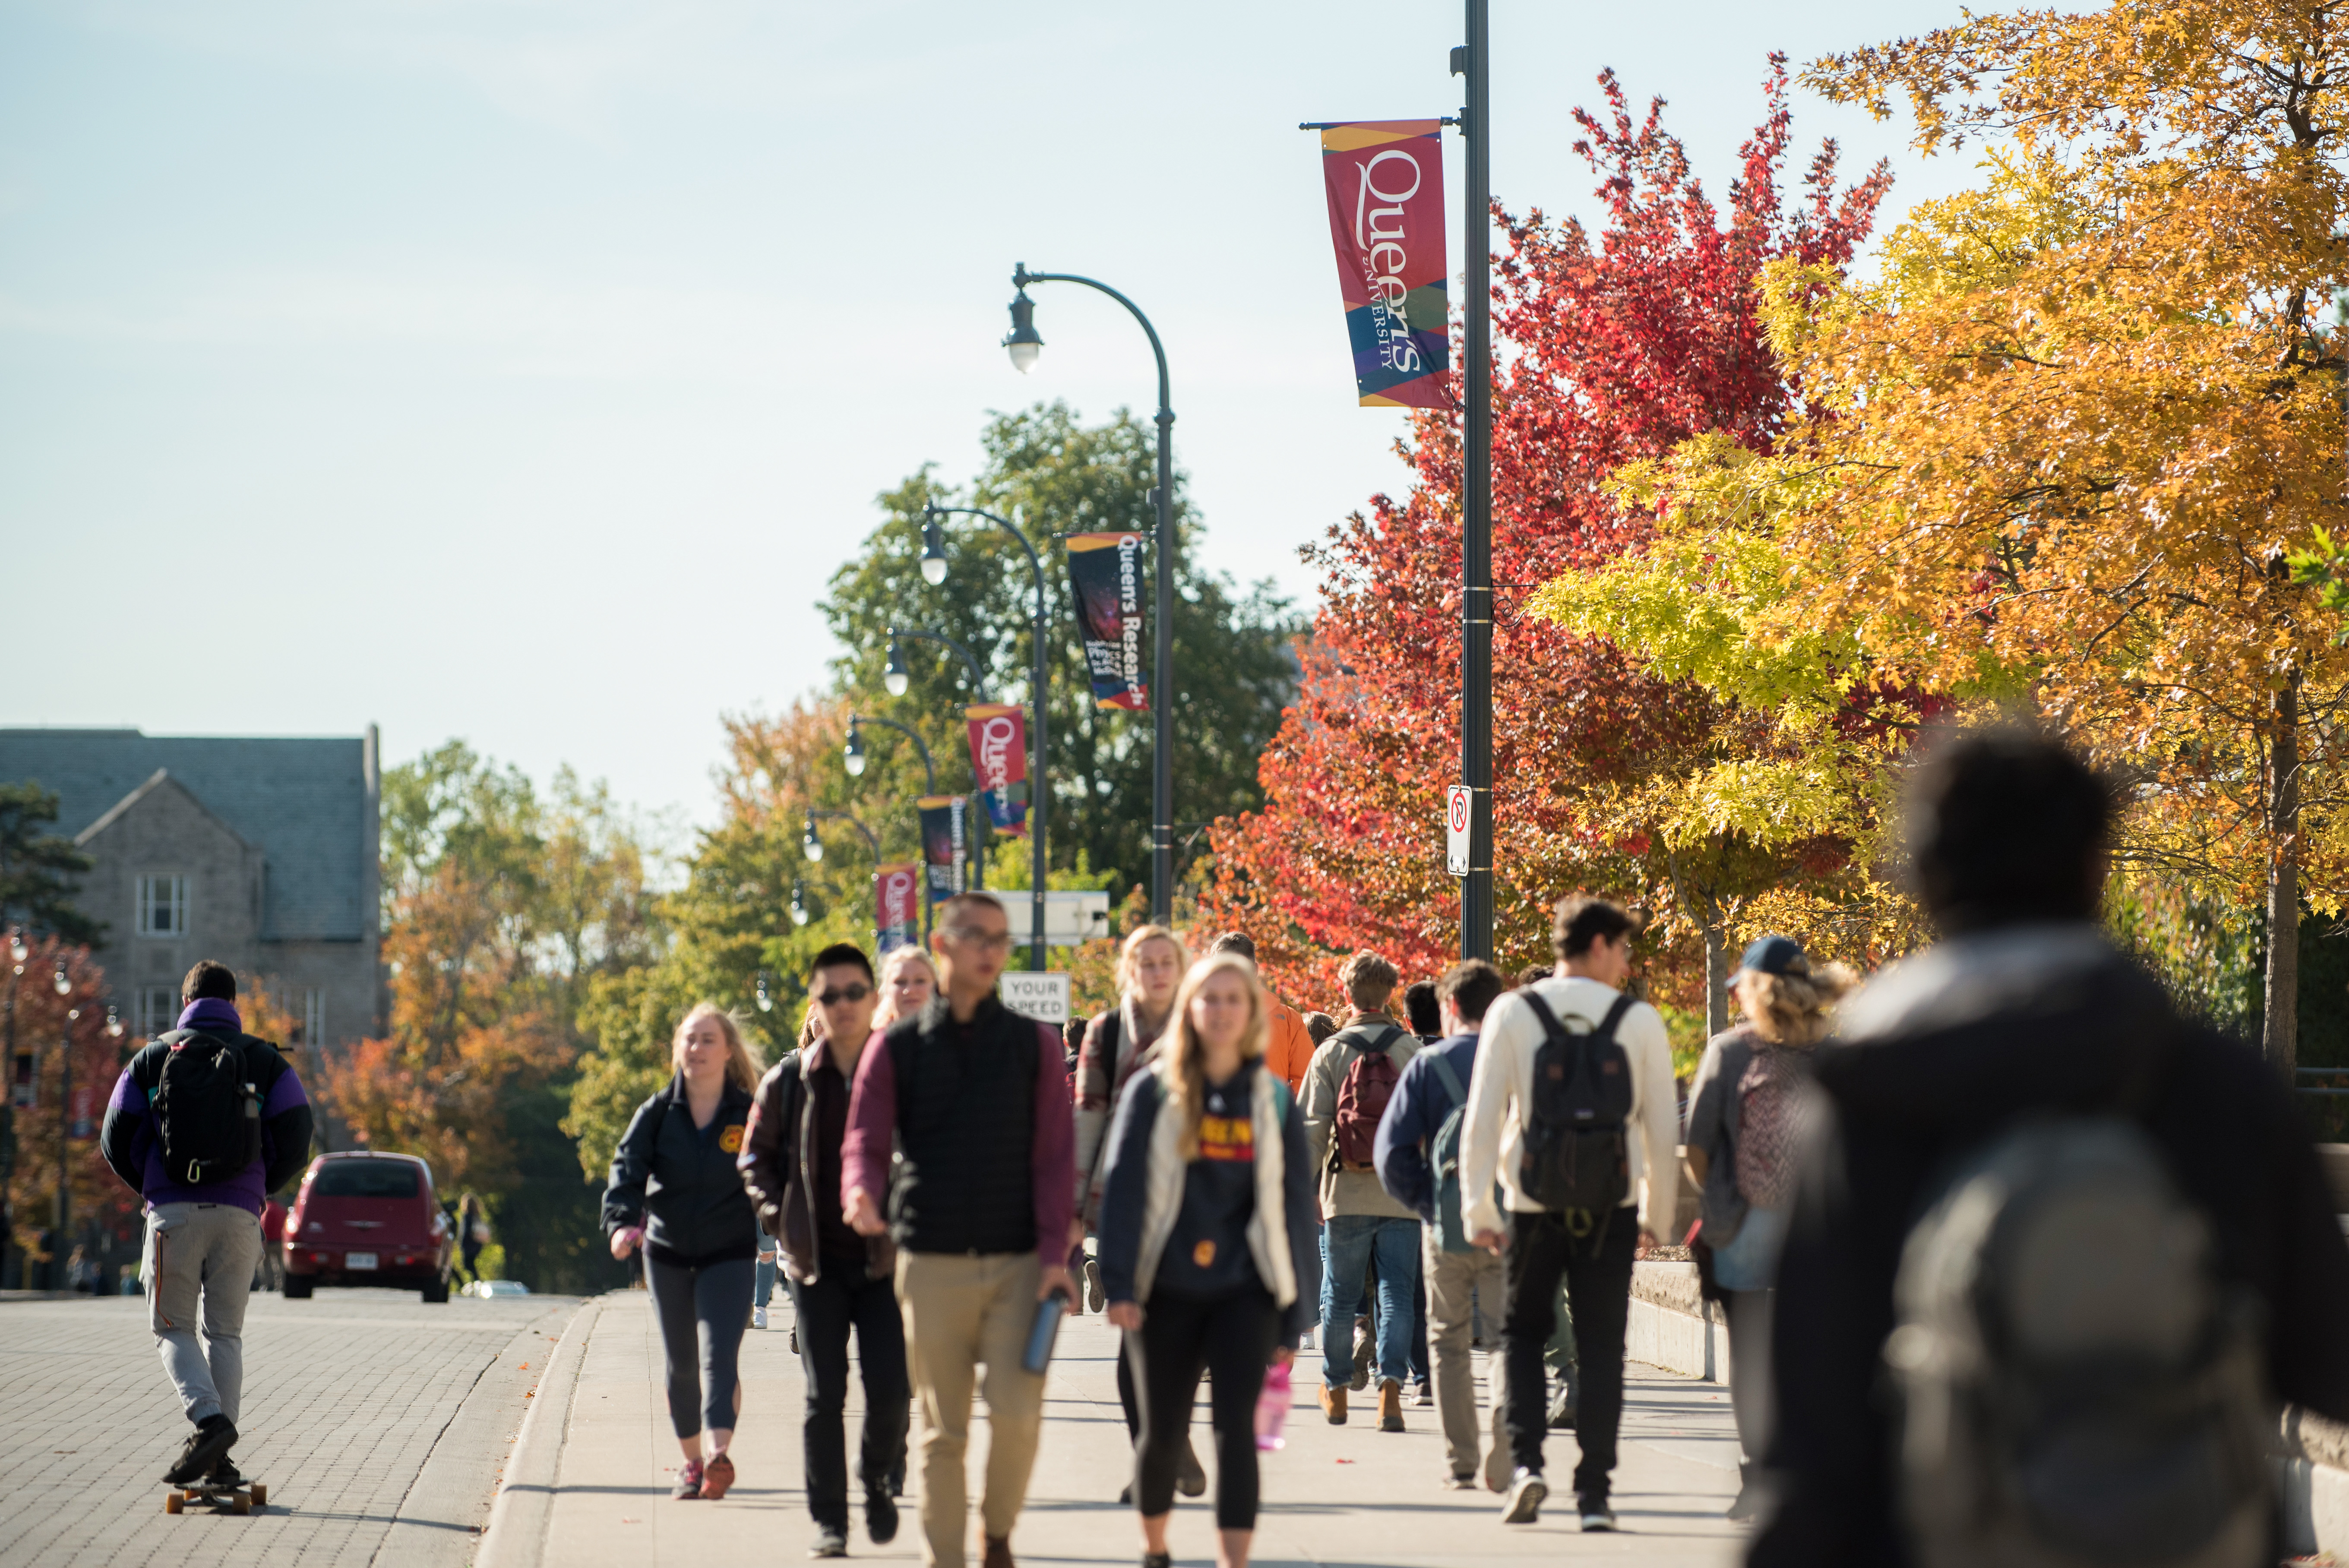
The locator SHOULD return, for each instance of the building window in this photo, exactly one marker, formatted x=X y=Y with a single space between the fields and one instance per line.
x=158 y=1010
x=162 y=907
x=313 y=1019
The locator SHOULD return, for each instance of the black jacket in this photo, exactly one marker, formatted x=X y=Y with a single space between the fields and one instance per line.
x=1937 y=1055
x=679 y=1182
x=131 y=1139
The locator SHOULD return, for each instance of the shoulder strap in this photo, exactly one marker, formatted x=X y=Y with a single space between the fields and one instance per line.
x=1551 y=1025
x=1606 y=1029
x=1443 y=1069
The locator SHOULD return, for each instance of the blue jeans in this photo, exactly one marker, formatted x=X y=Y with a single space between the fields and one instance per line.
x=1349 y=1242
x=765 y=1288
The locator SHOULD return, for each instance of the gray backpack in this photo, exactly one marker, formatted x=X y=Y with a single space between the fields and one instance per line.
x=1444 y=1162
x=2077 y=1389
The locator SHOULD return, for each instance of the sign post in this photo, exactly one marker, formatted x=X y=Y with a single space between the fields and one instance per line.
x=1459 y=812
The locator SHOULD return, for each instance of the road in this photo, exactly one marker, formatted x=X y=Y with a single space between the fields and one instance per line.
x=379 y=1425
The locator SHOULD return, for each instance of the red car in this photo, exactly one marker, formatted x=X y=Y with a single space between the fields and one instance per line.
x=363 y=1218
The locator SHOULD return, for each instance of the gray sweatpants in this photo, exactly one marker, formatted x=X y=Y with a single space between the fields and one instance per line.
x=200 y=1263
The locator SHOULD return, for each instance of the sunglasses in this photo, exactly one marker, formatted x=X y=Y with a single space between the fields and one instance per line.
x=987 y=940
x=845 y=994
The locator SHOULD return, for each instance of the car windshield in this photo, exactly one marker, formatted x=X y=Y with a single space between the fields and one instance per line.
x=365 y=1179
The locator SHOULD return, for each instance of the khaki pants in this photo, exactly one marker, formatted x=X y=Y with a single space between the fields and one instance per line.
x=1450 y=1277
x=962 y=1312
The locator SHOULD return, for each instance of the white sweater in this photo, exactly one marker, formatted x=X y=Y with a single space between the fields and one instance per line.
x=1492 y=1136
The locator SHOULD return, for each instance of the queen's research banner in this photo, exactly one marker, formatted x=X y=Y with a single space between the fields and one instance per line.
x=1106 y=571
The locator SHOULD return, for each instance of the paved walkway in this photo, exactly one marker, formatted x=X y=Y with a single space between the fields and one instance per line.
x=1339 y=1496
x=379 y=1425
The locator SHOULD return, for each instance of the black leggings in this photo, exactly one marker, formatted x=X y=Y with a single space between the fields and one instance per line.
x=1230 y=1335
x=710 y=1304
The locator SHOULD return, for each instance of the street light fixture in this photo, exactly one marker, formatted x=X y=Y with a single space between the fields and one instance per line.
x=1024 y=345
x=766 y=1001
x=896 y=676
x=16 y=948
x=1039 y=795
x=854 y=754
x=897 y=661
x=798 y=904
x=1024 y=341
x=934 y=548
x=810 y=845
x=113 y=1024
x=64 y=986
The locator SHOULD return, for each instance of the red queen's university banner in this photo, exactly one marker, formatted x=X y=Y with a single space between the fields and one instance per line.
x=897 y=906
x=1385 y=182
x=1105 y=569
x=998 y=755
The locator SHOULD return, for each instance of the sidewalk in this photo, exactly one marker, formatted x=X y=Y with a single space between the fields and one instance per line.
x=1339 y=1496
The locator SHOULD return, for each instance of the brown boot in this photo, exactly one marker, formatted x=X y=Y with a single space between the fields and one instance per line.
x=1333 y=1404
x=1390 y=1404
x=999 y=1553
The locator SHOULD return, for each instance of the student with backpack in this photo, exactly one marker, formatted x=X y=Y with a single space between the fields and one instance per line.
x=1419 y=1165
x=1347 y=1086
x=1573 y=1111
x=1744 y=1106
x=2056 y=1249
x=204 y=1123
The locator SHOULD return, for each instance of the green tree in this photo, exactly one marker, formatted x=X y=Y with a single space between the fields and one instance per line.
x=37 y=869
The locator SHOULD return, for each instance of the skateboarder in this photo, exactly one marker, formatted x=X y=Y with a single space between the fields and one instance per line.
x=205 y=1122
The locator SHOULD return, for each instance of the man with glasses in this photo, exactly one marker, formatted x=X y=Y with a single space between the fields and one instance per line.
x=839 y=1280
x=977 y=1098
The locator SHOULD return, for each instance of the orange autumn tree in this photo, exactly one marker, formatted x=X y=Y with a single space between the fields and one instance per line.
x=1612 y=347
x=2070 y=441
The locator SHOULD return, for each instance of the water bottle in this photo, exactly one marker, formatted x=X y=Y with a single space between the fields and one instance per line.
x=1045 y=1331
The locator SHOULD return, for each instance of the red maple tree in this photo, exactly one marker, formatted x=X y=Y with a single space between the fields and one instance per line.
x=1607 y=349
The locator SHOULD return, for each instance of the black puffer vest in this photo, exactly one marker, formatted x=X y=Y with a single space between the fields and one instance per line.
x=966 y=1126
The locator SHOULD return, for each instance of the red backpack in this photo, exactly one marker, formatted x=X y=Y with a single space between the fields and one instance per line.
x=1362 y=1096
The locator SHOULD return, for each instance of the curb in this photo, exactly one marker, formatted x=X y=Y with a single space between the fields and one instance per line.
x=515 y=1536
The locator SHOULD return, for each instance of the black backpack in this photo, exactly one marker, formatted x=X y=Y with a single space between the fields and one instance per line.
x=209 y=1108
x=1578 y=1160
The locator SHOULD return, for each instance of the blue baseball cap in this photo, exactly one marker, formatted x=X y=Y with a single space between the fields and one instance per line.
x=1773 y=955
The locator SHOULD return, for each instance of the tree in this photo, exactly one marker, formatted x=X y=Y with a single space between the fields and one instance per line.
x=46 y=1026
x=1612 y=348
x=38 y=870
x=2065 y=451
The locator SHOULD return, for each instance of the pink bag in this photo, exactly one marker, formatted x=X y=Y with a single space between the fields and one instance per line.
x=1272 y=1407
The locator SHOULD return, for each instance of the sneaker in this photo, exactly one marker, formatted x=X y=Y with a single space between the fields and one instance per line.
x=212 y=1440
x=1190 y=1476
x=1390 y=1405
x=828 y=1542
x=688 y=1481
x=1333 y=1404
x=1125 y=1495
x=224 y=1473
x=795 y=1340
x=1158 y=1560
x=717 y=1476
x=1364 y=1356
x=880 y=1516
x=1563 y=1409
x=1597 y=1519
x=758 y=1317
x=1496 y=1468
x=999 y=1553
x=1461 y=1481
x=1522 y=1505
x=1096 y=1294
x=1426 y=1396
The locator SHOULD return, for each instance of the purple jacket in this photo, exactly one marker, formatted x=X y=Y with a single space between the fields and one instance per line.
x=132 y=1141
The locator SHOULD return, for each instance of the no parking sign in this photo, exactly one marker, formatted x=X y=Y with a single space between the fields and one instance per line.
x=1457 y=806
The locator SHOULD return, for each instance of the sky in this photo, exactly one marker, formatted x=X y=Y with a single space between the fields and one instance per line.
x=520 y=370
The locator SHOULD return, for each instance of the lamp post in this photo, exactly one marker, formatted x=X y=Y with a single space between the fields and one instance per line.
x=1476 y=61
x=896 y=678
x=812 y=847
x=933 y=571
x=18 y=954
x=1024 y=345
x=855 y=757
x=64 y=985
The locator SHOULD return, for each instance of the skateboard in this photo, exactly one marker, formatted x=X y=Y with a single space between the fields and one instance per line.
x=245 y=1497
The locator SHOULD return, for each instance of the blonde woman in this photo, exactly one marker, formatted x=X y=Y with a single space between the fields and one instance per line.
x=1209 y=1243
x=674 y=1191
x=1741 y=1136
x=908 y=981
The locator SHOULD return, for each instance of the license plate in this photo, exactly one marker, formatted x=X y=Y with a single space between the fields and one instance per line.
x=358 y=1260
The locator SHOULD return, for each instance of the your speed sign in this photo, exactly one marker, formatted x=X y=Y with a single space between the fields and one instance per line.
x=1456 y=811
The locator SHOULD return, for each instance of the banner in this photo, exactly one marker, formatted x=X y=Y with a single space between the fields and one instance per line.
x=1105 y=570
x=945 y=843
x=1385 y=182
x=998 y=755
x=897 y=906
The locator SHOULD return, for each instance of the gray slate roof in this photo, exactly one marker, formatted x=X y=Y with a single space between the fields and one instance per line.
x=304 y=801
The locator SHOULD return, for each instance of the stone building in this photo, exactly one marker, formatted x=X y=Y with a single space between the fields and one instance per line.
x=261 y=853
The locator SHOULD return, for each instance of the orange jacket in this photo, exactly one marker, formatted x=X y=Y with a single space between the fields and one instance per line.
x=1288 y=1048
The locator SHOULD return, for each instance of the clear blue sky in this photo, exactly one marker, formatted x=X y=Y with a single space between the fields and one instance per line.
x=519 y=371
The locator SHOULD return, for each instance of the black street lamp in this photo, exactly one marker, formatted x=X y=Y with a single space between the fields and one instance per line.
x=896 y=676
x=799 y=902
x=933 y=570
x=812 y=847
x=853 y=755
x=64 y=985
x=1024 y=345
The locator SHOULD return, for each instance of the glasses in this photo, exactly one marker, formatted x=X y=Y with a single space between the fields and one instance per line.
x=987 y=940
x=845 y=994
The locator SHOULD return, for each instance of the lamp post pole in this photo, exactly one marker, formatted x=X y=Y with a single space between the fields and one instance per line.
x=1024 y=345
x=1040 y=796
x=1476 y=497
x=929 y=772
x=57 y=1242
x=897 y=679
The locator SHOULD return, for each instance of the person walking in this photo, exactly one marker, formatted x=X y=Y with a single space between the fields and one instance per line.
x=205 y=1122
x=908 y=979
x=1207 y=1243
x=1742 y=1109
x=1419 y=1165
x=1289 y=1044
x=1588 y=1173
x=472 y=1234
x=673 y=1191
x=839 y=1281
x=1352 y=1075
x=980 y=1208
x=2019 y=1071
x=1117 y=1044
